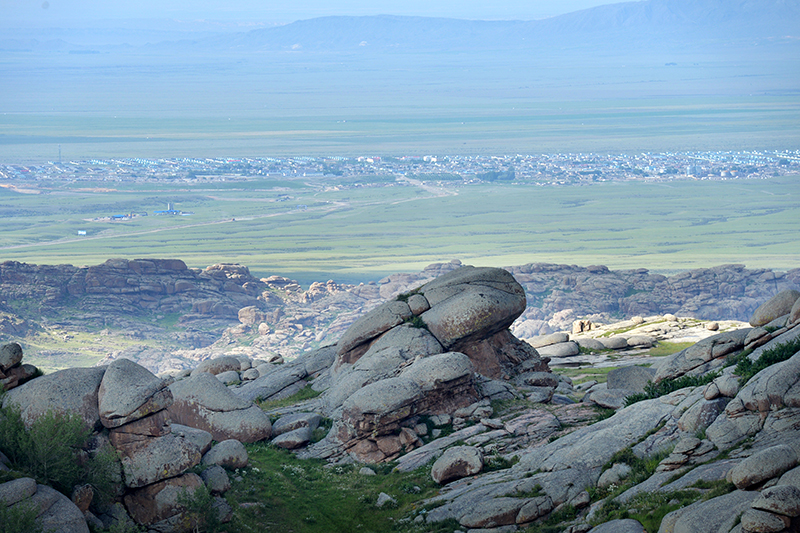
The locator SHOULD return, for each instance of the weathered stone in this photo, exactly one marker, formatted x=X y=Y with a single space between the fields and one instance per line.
x=128 y=392
x=546 y=340
x=780 y=499
x=229 y=453
x=614 y=343
x=630 y=377
x=159 y=501
x=614 y=475
x=639 y=341
x=538 y=379
x=540 y=394
x=61 y=516
x=534 y=508
x=794 y=314
x=146 y=460
x=701 y=356
x=779 y=305
x=471 y=303
x=199 y=437
x=764 y=465
x=590 y=344
x=10 y=355
x=457 y=462
x=563 y=349
x=203 y=402
x=216 y=479
x=72 y=390
x=610 y=399
x=418 y=304
x=701 y=414
x=294 y=421
x=296 y=438
x=229 y=377
x=155 y=425
x=716 y=514
x=756 y=521
x=17 y=490
x=218 y=365
x=369 y=326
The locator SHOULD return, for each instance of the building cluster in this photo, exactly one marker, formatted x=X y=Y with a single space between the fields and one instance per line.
x=554 y=169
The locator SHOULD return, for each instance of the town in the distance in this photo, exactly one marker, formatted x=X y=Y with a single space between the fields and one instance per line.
x=543 y=169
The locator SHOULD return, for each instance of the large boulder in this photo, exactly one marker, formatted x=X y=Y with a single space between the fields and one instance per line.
x=129 y=392
x=717 y=514
x=763 y=465
x=457 y=462
x=369 y=326
x=777 y=306
x=203 y=402
x=59 y=514
x=10 y=355
x=146 y=460
x=218 y=365
x=471 y=304
x=73 y=390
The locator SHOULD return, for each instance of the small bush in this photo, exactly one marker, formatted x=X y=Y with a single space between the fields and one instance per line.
x=746 y=369
x=201 y=512
x=667 y=386
x=48 y=450
x=19 y=518
x=51 y=451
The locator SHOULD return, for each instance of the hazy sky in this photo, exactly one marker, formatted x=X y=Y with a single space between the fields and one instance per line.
x=69 y=12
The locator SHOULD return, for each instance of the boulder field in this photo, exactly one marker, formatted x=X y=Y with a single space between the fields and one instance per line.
x=434 y=378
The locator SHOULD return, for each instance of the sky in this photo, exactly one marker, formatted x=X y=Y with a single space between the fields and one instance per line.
x=62 y=13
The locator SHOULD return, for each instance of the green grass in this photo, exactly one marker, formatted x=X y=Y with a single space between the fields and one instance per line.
x=362 y=234
x=664 y=348
x=280 y=493
x=306 y=393
x=667 y=386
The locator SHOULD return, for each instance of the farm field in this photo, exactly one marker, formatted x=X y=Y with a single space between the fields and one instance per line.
x=311 y=230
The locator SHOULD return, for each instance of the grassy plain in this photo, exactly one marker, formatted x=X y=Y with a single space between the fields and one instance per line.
x=364 y=233
x=146 y=103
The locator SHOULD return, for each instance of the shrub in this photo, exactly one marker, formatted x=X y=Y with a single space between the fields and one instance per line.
x=746 y=369
x=19 y=518
x=667 y=386
x=51 y=451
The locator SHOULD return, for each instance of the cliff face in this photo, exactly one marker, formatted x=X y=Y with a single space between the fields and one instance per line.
x=172 y=315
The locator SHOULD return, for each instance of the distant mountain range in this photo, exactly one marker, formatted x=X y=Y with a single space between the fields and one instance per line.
x=673 y=23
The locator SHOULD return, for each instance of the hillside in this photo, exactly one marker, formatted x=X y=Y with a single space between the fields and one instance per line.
x=428 y=415
x=166 y=316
